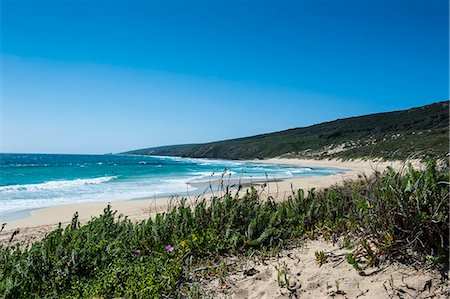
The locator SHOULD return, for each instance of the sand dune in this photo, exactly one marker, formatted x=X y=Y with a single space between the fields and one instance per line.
x=295 y=273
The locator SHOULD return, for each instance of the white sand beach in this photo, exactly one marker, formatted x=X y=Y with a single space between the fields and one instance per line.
x=304 y=277
x=41 y=221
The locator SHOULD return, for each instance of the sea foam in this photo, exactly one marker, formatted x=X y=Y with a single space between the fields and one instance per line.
x=59 y=184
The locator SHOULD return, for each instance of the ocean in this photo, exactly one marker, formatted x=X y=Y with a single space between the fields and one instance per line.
x=33 y=181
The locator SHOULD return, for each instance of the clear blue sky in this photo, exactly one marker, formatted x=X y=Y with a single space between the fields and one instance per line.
x=109 y=76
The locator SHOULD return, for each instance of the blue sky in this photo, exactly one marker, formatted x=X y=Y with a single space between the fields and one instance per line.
x=109 y=76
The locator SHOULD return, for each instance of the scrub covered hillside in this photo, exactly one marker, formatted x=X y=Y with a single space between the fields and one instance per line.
x=422 y=131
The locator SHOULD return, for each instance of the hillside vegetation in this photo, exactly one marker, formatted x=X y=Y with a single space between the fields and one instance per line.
x=422 y=131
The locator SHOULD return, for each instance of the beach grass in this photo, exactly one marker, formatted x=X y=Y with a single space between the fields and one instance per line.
x=401 y=216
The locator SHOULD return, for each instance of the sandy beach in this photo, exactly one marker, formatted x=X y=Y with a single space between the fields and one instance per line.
x=335 y=278
x=305 y=277
x=40 y=221
x=350 y=170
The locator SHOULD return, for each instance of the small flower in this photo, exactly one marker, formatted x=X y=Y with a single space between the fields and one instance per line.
x=169 y=248
x=136 y=251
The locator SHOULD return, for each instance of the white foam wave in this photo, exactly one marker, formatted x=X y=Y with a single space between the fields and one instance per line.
x=213 y=174
x=202 y=161
x=55 y=185
x=300 y=170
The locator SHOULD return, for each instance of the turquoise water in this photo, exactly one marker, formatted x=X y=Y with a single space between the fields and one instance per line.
x=32 y=181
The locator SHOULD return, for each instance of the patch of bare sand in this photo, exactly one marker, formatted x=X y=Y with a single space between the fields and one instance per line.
x=336 y=278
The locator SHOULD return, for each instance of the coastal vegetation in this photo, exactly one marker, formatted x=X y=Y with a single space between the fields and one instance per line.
x=396 y=135
x=401 y=216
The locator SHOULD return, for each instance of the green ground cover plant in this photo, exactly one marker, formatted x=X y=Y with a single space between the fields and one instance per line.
x=387 y=216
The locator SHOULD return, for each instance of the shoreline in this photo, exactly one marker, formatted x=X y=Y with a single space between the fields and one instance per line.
x=353 y=170
x=40 y=221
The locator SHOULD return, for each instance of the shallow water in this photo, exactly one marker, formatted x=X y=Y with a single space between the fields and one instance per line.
x=32 y=181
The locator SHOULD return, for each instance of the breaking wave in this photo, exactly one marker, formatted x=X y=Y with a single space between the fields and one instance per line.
x=55 y=185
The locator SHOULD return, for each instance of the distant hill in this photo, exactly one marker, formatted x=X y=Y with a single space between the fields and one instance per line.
x=422 y=131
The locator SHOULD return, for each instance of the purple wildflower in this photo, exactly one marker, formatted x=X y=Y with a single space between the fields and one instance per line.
x=169 y=248
x=136 y=251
